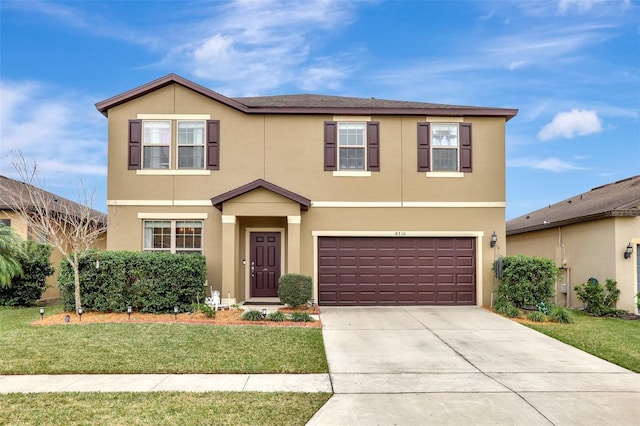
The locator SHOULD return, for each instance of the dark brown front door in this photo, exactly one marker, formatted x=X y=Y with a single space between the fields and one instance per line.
x=264 y=263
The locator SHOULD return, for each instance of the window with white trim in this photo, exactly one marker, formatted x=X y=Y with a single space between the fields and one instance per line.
x=175 y=236
x=444 y=147
x=156 y=144
x=352 y=146
x=191 y=144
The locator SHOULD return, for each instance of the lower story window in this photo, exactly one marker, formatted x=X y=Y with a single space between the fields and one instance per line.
x=175 y=236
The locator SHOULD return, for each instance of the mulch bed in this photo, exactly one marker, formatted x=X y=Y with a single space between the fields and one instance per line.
x=223 y=317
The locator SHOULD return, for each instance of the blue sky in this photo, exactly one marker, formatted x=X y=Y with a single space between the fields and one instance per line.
x=571 y=67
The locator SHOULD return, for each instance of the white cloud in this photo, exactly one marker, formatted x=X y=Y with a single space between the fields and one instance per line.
x=253 y=47
x=577 y=122
x=58 y=131
x=552 y=164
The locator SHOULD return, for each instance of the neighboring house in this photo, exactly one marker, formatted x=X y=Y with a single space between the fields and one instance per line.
x=10 y=191
x=381 y=202
x=595 y=234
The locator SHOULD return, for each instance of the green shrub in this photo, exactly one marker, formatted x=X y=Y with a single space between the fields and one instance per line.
x=25 y=290
x=638 y=300
x=301 y=317
x=536 y=316
x=208 y=311
x=150 y=282
x=277 y=317
x=527 y=280
x=252 y=315
x=294 y=289
x=598 y=300
x=561 y=315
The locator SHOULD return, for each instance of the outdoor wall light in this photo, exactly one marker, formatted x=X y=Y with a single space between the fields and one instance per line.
x=264 y=313
x=175 y=313
x=129 y=310
x=629 y=251
x=41 y=313
x=494 y=240
x=80 y=312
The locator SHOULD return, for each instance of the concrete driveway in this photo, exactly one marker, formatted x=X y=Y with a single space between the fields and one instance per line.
x=462 y=366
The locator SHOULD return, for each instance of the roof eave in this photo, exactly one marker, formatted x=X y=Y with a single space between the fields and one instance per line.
x=572 y=221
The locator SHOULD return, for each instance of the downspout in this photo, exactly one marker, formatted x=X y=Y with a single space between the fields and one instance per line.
x=565 y=273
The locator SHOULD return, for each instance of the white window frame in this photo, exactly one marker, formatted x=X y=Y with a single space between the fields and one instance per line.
x=203 y=145
x=433 y=147
x=173 y=236
x=363 y=147
x=146 y=144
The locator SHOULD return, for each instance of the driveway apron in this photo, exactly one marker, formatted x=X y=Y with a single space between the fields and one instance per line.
x=464 y=365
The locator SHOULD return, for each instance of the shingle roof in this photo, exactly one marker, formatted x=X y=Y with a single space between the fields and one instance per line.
x=309 y=104
x=621 y=198
x=10 y=188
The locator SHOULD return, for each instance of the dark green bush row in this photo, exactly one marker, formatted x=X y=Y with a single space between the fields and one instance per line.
x=254 y=315
x=527 y=281
x=28 y=288
x=149 y=282
x=295 y=289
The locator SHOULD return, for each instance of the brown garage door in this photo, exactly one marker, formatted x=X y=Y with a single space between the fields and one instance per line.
x=396 y=271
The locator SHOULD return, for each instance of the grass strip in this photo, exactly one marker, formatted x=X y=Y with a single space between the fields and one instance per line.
x=154 y=348
x=613 y=339
x=219 y=408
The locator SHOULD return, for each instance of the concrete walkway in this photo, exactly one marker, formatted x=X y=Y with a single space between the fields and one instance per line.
x=166 y=382
x=461 y=366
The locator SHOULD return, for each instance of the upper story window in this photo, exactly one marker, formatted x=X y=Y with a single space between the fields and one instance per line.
x=351 y=146
x=190 y=144
x=175 y=236
x=444 y=147
x=156 y=144
x=195 y=142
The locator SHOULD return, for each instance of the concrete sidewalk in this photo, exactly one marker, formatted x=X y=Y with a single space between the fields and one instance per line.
x=460 y=366
x=166 y=382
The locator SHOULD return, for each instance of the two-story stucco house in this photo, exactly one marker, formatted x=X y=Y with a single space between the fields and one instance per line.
x=381 y=202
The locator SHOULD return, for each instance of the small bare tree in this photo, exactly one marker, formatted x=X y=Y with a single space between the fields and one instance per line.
x=71 y=227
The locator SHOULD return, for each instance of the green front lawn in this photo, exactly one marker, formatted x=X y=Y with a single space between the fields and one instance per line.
x=613 y=339
x=154 y=348
x=174 y=408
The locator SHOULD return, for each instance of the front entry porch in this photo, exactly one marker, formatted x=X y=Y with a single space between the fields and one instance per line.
x=260 y=239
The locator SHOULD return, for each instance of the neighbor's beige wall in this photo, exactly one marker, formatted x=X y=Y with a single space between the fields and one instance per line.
x=591 y=249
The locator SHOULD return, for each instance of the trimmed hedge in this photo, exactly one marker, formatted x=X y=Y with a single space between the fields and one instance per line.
x=295 y=289
x=151 y=282
x=527 y=280
x=25 y=290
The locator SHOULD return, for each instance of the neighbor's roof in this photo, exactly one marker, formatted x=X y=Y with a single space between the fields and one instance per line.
x=309 y=104
x=10 y=188
x=621 y=198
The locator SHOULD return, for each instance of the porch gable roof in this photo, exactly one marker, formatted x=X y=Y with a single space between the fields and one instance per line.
x=219 y=200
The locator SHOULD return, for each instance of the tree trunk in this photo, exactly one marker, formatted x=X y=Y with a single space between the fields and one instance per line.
x=76 y=280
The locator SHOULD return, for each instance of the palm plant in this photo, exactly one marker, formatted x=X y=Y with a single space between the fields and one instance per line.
x=10 y=249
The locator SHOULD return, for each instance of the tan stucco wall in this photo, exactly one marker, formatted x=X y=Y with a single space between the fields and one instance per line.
x=287 y=150
x=591 y=249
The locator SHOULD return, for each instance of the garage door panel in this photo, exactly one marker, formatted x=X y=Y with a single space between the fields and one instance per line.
x=400 y=271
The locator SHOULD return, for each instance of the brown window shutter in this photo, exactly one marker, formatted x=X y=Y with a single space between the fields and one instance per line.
x=424 y=163
x=135 y=144
x=465 y=147
x=213 y=144
x=330 y=145
x=373 y=146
